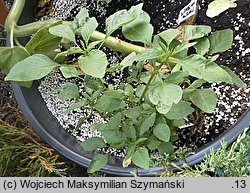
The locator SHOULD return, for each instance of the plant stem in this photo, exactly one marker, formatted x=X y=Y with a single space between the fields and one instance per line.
x=17 y=42
x=117 y=44
x=31 y=28
x=12 y=36
x=147 y=86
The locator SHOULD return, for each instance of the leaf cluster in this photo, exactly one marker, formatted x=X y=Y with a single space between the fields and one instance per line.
x=224 y=162
x=143 y=113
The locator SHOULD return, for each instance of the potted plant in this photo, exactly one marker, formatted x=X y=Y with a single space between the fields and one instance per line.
x=140 y=114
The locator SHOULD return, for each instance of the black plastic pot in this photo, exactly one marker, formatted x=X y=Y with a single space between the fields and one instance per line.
x=34 y=108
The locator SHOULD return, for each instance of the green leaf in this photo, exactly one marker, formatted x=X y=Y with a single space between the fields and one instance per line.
x=80 y=19
x=205 y=99
x=164 y=95
x=130 y=132
x=61 y=56
x=169 y=35
x=68 y=71
x=64 y=31
x=79 y=123
x=202 y=46
x=88 y=28
x=129 y=90
x=95 y=94
x=118 y=94
x=77 y=105
x=177 y=123
x=166 y=148
x=128 y=60
x=135 y=18
x=215 y=73
x=235 y=79
x=32 y=68
x=216 y=7
x=180 y=110
x=97 y=163
x=220 y=41
x=162 y=132
x=140 y=140
x=177 y=68
x=94 y=44
x=153 y=144
x=108 y=104
x=113 y=136
x=139 y=90
x=114 y=68
x=3 y=48
x=147 y=124
x=43 y=42
x=145 y=76
x=200 y=67
x=169 y=93
x=176 y=77
x=130 y=151
x=148 y=54
x=141 y=158
x=195 y=85
x=115 y=121
x=11 y=56
x=118 y=20
x=68 y=91
x=139 y=30
x=133 y=113
x=163 y=108
x=92 y=82
x=192 y=32
x=182 y=49
x=160 y=119
x=195 y=65
x=98 y=127
x=136 y=10
x=93 y=143
x=214 y=57
x=94 y=64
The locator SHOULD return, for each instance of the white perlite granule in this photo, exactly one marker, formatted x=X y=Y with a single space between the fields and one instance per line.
x=64 y=9
x=59 y=108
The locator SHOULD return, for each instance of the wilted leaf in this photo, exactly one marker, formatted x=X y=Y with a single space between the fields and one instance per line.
x=216 y=7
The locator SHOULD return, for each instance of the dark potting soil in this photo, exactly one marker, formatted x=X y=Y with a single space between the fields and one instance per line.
x=232 y=101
